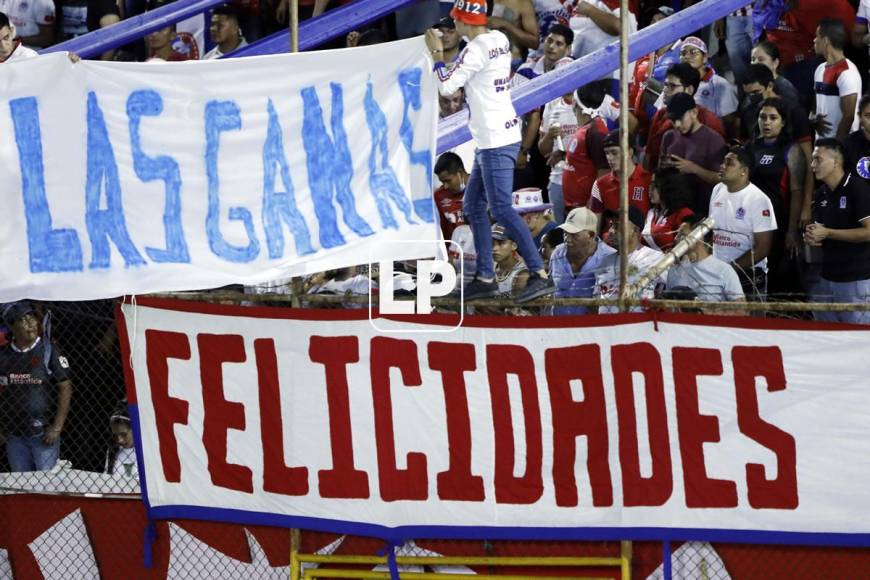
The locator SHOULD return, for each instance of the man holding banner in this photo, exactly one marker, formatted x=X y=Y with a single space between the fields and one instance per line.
x=483 y=69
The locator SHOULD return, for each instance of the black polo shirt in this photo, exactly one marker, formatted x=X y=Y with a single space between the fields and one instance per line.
x=843 y=209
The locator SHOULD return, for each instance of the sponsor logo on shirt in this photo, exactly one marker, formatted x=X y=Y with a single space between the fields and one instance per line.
x=23 y=379
x=741 y=213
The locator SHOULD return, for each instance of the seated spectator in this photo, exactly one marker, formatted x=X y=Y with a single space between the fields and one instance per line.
x=575 y=263
x=780 y=172
x=640 y=260
x=714 y=91
x=511 y=273
x=584 y=155
x=857 y=144
x=556 y=52
x=36 y=393
x=841 y=213
x=529 y=204
x=168 y=44
x=450 y=39
x=225 y=31
x=448 y=198
x=711 y=279
x=681 y=78
x=605 y=191
x=767 y=53
x=462 y=254
x=551 y=241
x=121 y=456
x=516 y=18
x=745 y=223
x=11 y=49
x=671 y=200
x=33 y=21
x=693 y=149
x=837 y=83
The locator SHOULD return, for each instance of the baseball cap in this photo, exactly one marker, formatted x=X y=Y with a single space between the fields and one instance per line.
x=15 y=311
x=580 y=219
x=611 y=139
x=679 y=104
x=462 y=11
x=695 y=42
x=500 y=233
x=665 y=10
x=445 y=22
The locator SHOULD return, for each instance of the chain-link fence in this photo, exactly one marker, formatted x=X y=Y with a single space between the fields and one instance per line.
x=84 y=518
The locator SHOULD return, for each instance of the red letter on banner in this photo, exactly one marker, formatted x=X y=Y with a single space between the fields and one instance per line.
x=343 y=480
x=750 y=362
x=395 y=484
x=221 y=415
x=502 y=360
x=654 y=490
x=572 y=419
x=161 y=345
x=277 y=477
x=696 y=429
x=452 y=360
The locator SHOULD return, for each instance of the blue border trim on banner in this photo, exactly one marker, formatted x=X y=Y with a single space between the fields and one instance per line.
x=397 y=534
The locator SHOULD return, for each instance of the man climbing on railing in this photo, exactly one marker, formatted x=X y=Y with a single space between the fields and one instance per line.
x=483 y=69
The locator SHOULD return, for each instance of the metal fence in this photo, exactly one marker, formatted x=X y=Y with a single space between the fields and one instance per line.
x=42 y=507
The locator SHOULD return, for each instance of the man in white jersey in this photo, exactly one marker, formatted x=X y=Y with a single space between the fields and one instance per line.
x=483 y=70
x=11 y=50
x=744 y=222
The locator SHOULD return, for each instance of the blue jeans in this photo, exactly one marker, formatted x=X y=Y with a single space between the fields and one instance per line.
x=557 y=198
x=31 y=454
x=491 y=184
x=738 y=41
x=857 y=292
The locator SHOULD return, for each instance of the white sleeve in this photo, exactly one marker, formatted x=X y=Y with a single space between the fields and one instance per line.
x=728 y=103
x=761 y=214
x=731 y=285
x=849 y=83
x=863 y=15
x=43 y=13
x=452 y=78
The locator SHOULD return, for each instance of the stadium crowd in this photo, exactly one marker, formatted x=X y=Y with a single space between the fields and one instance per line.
x=759 y=121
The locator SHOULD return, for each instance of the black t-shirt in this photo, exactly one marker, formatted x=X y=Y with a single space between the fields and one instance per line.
x=771 y=175
x=843 y=209
x=858 y=153
x=27 y=391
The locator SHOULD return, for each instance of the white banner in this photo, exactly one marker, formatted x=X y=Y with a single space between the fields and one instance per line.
x=264 y=415
x=127 y=178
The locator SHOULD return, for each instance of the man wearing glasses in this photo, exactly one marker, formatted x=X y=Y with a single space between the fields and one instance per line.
x=714 y=91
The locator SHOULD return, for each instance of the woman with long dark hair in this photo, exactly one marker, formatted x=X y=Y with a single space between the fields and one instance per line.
x=671 y=200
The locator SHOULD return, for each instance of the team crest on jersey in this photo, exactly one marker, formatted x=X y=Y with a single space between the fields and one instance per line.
x=741 y=213
x=863 y=167
x=64 y=364
x=843 y=202
x=765 y=160
x=637 y=193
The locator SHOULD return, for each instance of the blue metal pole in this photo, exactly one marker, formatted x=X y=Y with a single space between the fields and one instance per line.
x=316 y=31
x=666 y=560
x=454 y=130
x=134 y=28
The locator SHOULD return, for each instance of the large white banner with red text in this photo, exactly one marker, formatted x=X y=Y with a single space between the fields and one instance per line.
x=269 y=415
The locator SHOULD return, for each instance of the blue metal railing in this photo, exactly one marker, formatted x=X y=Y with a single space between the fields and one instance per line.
x=454 y=130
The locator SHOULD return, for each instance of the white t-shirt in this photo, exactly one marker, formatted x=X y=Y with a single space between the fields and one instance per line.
x=830 y=84
x=559 y=111
x=737 y=217
x=588 y=37
x=28 y=15
x=718 y=95
x=483 y=68
x=20 y=52
x=125 y=463
x=712 y=279
x=216 y=51
x=639 y=261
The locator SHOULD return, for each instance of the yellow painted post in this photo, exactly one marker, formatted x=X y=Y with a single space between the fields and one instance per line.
x=295 y=541
x=625 y=556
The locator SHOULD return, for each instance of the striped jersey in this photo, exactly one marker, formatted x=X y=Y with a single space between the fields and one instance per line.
x=831 y=83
